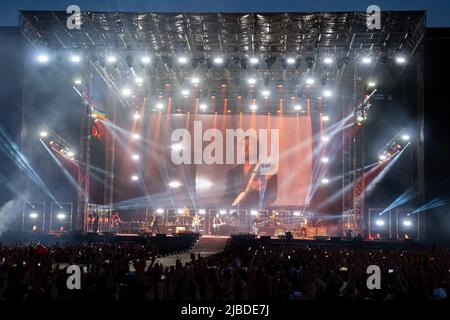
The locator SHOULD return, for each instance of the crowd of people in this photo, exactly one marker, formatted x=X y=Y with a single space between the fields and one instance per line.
x=243 y=271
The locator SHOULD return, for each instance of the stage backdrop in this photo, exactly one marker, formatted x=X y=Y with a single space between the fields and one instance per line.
x=180 y=148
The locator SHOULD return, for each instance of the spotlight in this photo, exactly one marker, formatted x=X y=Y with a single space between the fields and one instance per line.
x=185 y=92
x=203 y=184
x=371 y=84
x=180 y=211
x=400 y=59
x=182 y=60
x=135 y=157
x=139 y=80
x=254 y=212
x=201 y=211
x=328 y=60
x=75 y=58
x=254 y=60
x=174 y=184
x=70 y=154
x=61 y=216
x=159 y=106
x=111 y=59
x=136 y=115
x=406 y=137
x=382 y=157
x=160 y=211
x=145 y=59
x=251 y=81
x=324 y=160
x=296 y=213
x=77 y=81
x=325 y=181
x=325 y=138
x=266 y=93
x=253 y=107
x=379 y=222
x=195 y=80
x=203 y=107
x=33 y=215
x=43 y=134
x=297 y=107
x=177 y=147
x=136 y=136
x=327 y=93
x=290 y=60
x=407 y=223
x=218 y=60
x=42 y=58
x=326 y=118
x=223 y=211
x=134 y=178
x=366 y=60
x=310 y=81
x=359 y=118
x=126 y=92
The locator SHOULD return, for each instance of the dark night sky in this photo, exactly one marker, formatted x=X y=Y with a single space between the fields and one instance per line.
x=438 y=10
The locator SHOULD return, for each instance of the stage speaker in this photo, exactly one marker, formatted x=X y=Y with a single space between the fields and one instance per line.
x=265 y=238
x=335 y=239
x=321 y=238
x=161 y=236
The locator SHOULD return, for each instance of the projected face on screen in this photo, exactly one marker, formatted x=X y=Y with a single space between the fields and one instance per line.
x=259 y=160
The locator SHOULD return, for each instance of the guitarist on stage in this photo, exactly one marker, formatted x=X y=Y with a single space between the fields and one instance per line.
x=196 y=221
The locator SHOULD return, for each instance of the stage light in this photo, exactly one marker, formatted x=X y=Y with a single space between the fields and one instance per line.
x=324 y=160
x=328 y=60
x=135 y=157
x=77 y=81
x=195 y=80
x=182 y=60
x=136 y=115
x=296 y=213
x=159 y=106
x=325 y=139
x=70 y=154
x=202 y=211
x=160 y=211
x=290 y=60
x=177 y=147
x=33 y=215
x=174 y=184
x=126 y=92
x=382 y=157
x=42 y=58
x=325 y=181
x=203 y=106
x=253 y=107
x=43 y=134
x=366 y=60
x=139 y=80
x=379 y=222
x=135 y=136
x=326 y=118
x=134 y=178
x=400 y=59
x=254 y=212
x=406 y=137
x=61 y=216
x=145 y=59
x=297 y=107
x=218 y=60
x=185 y=92
x=407 y=223
x=371 y=84
x=251 y=81
x=327 y=93
x=310 y=81
x=266 y=93
x=75 y=58
x=223 y=211
x=254 y=60
x=359 y=118
x=111 y=59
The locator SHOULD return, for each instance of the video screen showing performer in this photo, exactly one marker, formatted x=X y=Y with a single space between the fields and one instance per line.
x=246 y=186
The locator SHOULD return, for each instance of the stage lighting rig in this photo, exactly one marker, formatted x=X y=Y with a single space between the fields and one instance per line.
x=363 y=108
x=56 y=143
